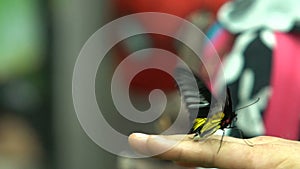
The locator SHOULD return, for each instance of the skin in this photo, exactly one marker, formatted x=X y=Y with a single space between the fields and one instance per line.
x=262 y=152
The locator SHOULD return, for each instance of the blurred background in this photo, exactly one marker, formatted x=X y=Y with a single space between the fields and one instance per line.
x=39 y=43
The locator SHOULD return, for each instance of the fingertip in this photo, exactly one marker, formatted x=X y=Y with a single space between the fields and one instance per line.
x=138 y=137
x=138 y=141
x=151 y=145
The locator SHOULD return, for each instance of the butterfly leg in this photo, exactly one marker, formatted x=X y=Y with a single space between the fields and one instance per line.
x=221 y=141
x=196 y=137
x=249 y=143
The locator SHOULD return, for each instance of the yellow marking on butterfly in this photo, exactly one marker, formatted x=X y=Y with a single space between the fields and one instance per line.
x=213 y=122
x=198 y=122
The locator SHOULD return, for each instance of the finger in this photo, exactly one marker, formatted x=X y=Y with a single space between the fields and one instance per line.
x=234 y=153
x=141 y=142
x=196 y=153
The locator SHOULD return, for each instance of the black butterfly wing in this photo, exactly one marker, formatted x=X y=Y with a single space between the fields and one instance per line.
x=228 y=112
x=196 y=97
x=202 y=111
x=220 y=116
x=207 y=113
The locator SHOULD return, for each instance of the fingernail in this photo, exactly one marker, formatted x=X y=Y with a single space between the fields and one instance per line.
x=141 y=136
x=151 y=146
x=138 y=141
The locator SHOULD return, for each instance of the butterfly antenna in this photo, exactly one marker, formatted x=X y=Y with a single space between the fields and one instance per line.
x=248 y=105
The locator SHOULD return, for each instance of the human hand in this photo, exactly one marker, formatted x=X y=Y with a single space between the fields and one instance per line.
x=266 y=153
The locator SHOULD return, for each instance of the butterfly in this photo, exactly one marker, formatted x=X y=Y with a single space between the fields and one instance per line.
x=217 y=119
x=211 y=116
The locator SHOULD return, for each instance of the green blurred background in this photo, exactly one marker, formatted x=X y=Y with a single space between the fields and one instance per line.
x=39 y=43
